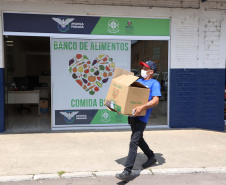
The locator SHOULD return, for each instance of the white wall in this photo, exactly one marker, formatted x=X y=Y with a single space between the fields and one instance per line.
x=198 y=38
x=185 y=39
x=140 y=3
x=197 y=35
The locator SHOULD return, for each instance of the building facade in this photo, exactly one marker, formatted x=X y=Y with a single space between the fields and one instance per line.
x=196 y=51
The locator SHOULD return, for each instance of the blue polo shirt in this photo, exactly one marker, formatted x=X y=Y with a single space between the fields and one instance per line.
x=155 y=90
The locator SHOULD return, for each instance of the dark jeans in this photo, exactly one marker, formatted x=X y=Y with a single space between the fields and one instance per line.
x=136 y=140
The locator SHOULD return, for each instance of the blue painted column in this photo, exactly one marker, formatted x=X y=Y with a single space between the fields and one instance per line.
x=2 y=101
x=197 y=98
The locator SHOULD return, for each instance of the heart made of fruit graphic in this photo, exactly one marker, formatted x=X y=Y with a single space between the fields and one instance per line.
x=115 y=92
x=91 y=75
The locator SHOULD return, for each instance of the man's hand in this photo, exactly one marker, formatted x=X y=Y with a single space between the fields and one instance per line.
x=138 y=110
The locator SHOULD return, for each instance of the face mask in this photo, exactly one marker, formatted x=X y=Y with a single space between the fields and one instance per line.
x=144 y=73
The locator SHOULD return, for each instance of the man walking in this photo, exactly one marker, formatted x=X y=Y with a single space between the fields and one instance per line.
x=139 y=123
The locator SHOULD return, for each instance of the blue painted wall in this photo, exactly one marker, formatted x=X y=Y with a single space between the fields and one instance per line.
x=197 y=98
x=2 y=101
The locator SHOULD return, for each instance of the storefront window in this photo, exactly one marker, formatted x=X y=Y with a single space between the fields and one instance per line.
x=157 y=51
x=28 y=70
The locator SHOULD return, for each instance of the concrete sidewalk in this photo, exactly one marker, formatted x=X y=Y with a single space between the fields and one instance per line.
x=49 y=153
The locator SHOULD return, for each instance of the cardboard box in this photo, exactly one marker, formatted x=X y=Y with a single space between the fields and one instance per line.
x=125 y=93
x=44 y=110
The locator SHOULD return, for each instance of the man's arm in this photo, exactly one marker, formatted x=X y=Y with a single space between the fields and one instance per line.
x=150 y=104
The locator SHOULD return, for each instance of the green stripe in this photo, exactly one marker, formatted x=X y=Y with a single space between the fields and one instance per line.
x=104 y=116
x=139 y=26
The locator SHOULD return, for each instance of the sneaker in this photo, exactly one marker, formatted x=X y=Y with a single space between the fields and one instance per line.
x=149 y=162
x=124 y=176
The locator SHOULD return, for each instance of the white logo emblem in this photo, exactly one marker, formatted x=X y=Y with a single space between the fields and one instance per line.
x=105 y=116
x=63 y=23
x=69 y=116
x=113 y=26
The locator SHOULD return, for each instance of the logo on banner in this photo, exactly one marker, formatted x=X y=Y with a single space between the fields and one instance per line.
x=105 y=116
x=63 y=23
x=129 y=22
x=81 y=116
x=91 y=76
x=113 y=26
x=69 y=116
x=129 y=28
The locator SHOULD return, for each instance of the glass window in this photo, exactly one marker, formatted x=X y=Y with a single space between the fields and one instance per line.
x=157 y=51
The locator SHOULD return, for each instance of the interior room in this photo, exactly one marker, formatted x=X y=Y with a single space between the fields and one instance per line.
x=27 y=79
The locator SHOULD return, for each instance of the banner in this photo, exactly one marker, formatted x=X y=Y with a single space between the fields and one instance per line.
x=68 y=24
x=81 y=72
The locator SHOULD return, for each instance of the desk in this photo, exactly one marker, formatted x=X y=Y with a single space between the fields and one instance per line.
x=24 y=97
x=44 y=91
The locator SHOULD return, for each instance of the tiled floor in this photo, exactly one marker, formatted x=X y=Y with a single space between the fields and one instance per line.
x=27 y=121
x=159 y=114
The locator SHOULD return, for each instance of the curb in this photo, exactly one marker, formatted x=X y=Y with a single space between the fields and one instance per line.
x=16 y=178
x=45 y=176
x=169 y=171
x=77 y=175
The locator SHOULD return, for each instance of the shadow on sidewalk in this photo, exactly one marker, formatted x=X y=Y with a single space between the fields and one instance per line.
x=140 y=159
